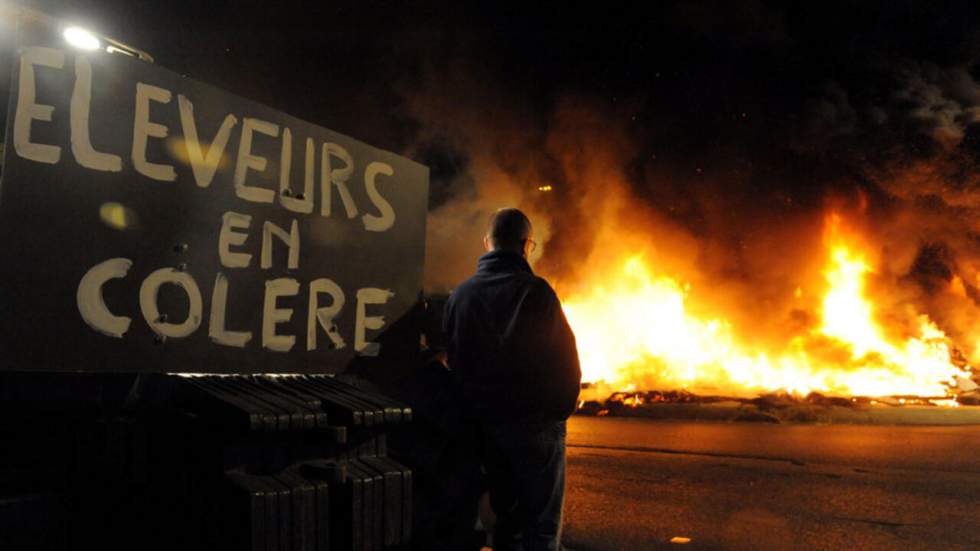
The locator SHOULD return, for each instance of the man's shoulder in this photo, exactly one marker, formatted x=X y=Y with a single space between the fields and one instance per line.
x=466 y=286
x=464 y=294
x=541 y=286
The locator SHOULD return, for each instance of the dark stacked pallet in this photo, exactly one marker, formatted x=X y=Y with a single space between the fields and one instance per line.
x=265 y=463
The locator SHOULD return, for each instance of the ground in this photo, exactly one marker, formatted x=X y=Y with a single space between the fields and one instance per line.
x=636 y=484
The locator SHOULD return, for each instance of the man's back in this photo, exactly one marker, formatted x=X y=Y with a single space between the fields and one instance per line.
x=510 y=346
x=513 y=354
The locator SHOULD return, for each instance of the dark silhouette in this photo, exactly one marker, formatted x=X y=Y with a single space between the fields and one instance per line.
x=513 y=356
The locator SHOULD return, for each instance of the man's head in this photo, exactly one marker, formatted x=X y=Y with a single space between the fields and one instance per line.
x=510 y=230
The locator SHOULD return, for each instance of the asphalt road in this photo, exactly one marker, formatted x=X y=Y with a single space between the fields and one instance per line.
x=635 y=484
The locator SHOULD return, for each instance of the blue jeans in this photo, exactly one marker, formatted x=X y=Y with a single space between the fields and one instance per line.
x=525 y=465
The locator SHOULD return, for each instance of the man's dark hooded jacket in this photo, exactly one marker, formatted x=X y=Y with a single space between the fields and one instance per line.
x=510 y=346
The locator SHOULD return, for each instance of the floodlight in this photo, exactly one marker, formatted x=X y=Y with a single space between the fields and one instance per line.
x=81 y=39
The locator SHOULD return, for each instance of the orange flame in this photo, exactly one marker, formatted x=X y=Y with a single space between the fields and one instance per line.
x=634 y=327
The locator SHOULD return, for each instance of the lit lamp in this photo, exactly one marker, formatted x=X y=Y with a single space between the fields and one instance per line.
x=75 y=36
x=81 y=38
x=86 y=40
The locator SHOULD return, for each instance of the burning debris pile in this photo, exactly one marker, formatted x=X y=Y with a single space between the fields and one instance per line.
x=636 y=330
x=772 y=407
x=845 y=302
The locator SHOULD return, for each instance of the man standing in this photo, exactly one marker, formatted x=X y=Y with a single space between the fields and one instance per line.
x=513 y=355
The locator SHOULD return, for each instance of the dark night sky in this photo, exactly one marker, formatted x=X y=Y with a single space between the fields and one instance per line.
x=720 y=85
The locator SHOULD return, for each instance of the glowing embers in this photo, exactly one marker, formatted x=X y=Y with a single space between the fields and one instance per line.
x=635 y=329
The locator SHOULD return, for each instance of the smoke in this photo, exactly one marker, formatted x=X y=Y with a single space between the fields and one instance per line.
x=608 y=198
x=941 y=102
x=727 y=192
x=928 y=221
x=487 y=150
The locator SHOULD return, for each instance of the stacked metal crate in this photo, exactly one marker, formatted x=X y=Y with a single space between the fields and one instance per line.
x=293 y=463
x=326 y=482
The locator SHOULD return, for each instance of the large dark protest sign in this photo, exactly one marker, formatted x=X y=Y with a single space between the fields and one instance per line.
x=149 y=222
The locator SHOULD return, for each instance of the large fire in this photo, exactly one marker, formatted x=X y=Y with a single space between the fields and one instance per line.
x=635 y=329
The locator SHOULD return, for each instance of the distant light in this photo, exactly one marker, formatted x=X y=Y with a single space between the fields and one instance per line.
x=544 y=188
x=81 y=39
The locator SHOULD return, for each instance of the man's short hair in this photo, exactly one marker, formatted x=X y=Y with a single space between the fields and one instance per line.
x=509 y=228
